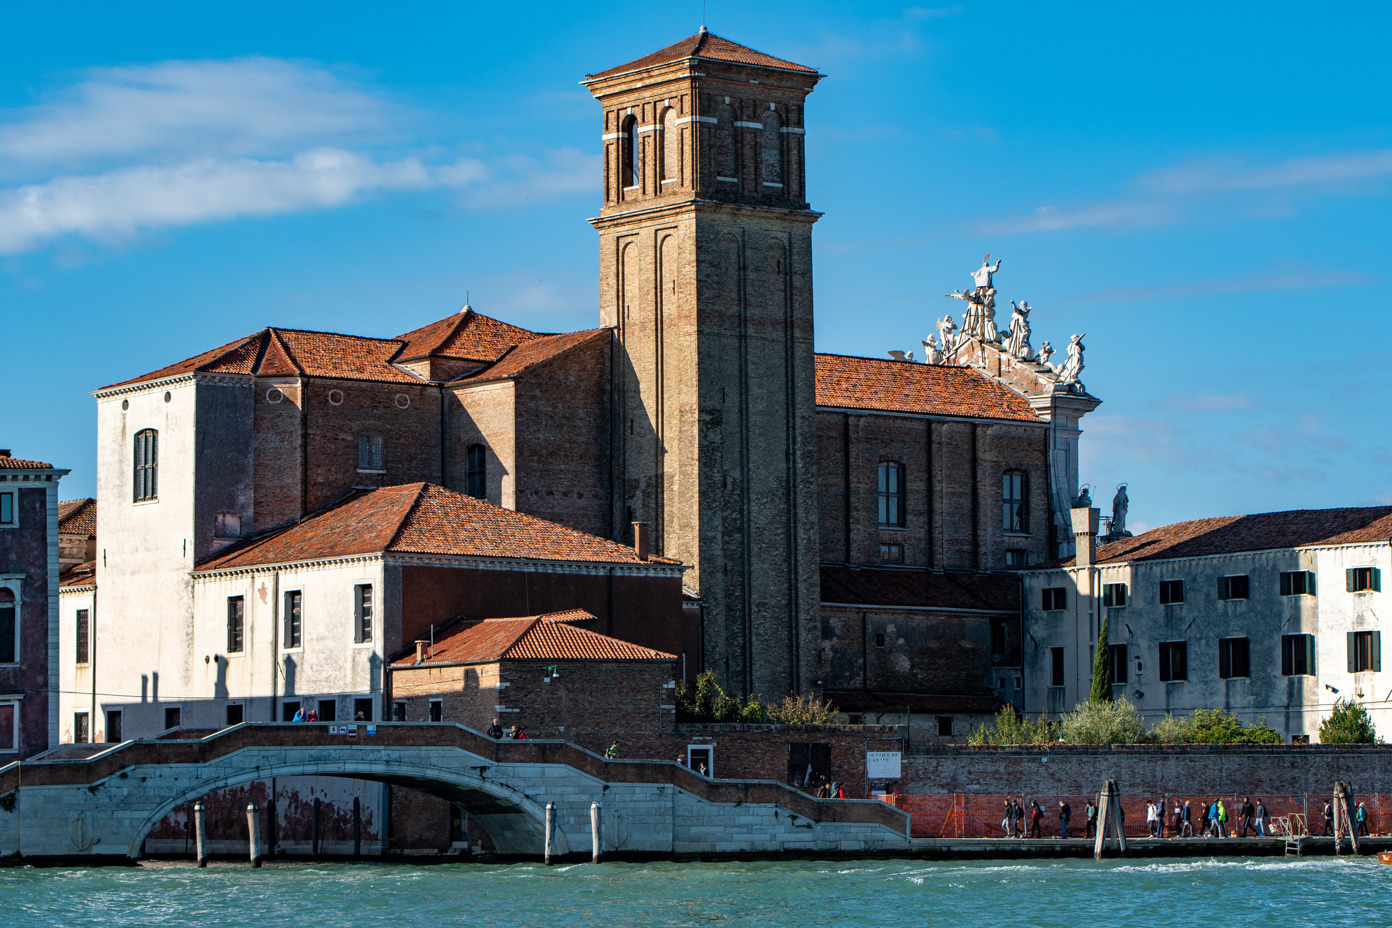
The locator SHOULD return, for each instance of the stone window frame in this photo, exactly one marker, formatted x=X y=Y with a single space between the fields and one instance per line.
x=890 y=500
x=1053 y=599
x=364 y=613
x=12 y=585
x=177 y=718
x=1234 y=586
x=82 y=727
x=9 y=509
x=1168 y=652
x=236 y=630
x=630 y=153
x=372 y=453
x=1288 y=583
x=292 y=635
x=15 y=702
x=891 y=553
x=476 y=470
x=1114 y=595
x=708 y=751
x=120 y=717
x=1305 y=654
x=436 y=708
x=1167 y=592
x=1363 y=659
x=1234 y=660
x=82 y=637
x=145 y=467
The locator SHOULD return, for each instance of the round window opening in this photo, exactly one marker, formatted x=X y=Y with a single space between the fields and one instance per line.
x=335 y=397
x=273 y=395
x=402 y=401
x=168 y=396
x=125 y=404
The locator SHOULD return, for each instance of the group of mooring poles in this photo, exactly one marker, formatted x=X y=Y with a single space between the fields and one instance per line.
x=1109 y=819
x=596 y=831
x=200 y=833
x=1343 y=818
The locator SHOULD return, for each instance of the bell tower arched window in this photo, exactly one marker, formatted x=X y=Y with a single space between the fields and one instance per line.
x=670 y=146
x=146 y=465
x=725 y=144
x=773 y=149
x=629 y=169
x=476 y=471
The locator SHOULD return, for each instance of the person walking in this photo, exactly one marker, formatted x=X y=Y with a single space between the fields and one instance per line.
x=1091 y=810
x=613 y=752
x=1261 y=819
x=1008 y=822
x=1360 y=819
x=495 y=731
x=1036 y=816
x=1150 y=818
x=1019 y=819
x=1328 y=814
x=1249 y=813
x=1065 y=816
x=1222 y=819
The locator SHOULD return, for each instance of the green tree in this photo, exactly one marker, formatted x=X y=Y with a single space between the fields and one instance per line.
x=1349 y=723
x=1102 y=669
x=1115 y=722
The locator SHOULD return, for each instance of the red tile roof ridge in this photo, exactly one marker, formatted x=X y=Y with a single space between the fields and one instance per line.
x=551 y=636
x=854 y=382
x=77 y=516
x=708 y=45
x=12 y=463
x=83 y=574
x=441 y=337
x=528 y=355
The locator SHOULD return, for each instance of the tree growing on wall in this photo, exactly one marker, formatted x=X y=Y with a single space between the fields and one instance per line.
x=1349 y=723
x=1102 y=668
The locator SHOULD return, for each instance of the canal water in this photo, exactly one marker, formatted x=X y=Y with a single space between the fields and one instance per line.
x=1228 y=892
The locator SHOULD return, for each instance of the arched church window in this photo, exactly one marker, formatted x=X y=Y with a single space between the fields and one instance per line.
x=671 y=146
x=476 y=471
x=628 y=155
x=773 y=149
x=146 y=465
x=1015 y=502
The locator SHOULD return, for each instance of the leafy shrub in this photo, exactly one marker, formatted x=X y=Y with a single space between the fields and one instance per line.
x=705 y=701
x=1349 y=723
x=802 y=710
x=1218 y=726
x=1009 y=727
x=1112 y=722
x=1170 y=730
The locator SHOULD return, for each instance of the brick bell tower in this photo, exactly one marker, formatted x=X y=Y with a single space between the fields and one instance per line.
x=706 y=277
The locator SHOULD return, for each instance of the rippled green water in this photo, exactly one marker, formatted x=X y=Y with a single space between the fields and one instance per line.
x=1224 y=892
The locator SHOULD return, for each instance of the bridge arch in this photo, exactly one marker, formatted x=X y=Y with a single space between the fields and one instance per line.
x=514 y=821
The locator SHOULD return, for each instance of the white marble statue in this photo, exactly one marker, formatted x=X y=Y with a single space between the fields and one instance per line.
x=1119 y=506
x=1046 y=351
x=931 y=354
x=900 y=355
x=946 y=328
x=1073 y=366
x=985 y=275
x=1018 y=344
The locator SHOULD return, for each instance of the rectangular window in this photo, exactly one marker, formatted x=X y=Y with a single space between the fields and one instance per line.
x=1233 y=658
x=1171 y=591
x=1016 y=557
x=84 y=636
x=9 y=627
x=292 y=619
x=1298 y=655
x=1113 y=595
x=328 y=710
x=1118 y=663
x=362 y=710
x=173 y=717
x=1364 y=578
x=1233 y=587
x=476 y=471
x=235 y=714
x=370 y=453
x=82 y=728
x=1055 y=598
x=1014 y=507
x=1056 y=666
x=7 y=509
x=9 y=726
x=362 y=612
x=1298 y=583
x=236 y=620
x=1174 y=661
x=1364 y=652
x=879 y=639
x=288 y=710
x=146 y=465
x=944 y=726
x=398 y=712
x=891 y=490
x=437 y=710
x=998 y=636
x=114 y=734
x=891 y=554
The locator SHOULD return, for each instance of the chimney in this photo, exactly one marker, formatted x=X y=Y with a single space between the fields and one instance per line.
x=5 y=453
x=640 y=540
x=420 y=650
x=1085 y=520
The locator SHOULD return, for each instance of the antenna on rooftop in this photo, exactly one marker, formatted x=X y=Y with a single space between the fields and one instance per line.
x=703 y=15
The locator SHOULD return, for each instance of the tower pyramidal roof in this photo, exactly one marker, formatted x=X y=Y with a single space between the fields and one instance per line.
x=707 y=45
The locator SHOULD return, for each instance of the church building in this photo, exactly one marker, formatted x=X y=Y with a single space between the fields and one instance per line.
x=690 y=472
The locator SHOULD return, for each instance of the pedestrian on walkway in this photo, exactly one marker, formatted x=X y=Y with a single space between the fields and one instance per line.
x=1249 y=814
x=1360 y=818
x=1261 y=819
x=1187 y=821
x=1065 y=816
x=1150 y=818
x=1008 y=822
x=1091 y=811
x=1222 y=819
x=1036 y=816
x=1328 y=814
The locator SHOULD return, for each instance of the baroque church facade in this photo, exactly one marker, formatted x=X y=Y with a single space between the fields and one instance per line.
x=691 y=471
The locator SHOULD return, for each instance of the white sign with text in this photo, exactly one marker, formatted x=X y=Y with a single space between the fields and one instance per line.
x=882 y=765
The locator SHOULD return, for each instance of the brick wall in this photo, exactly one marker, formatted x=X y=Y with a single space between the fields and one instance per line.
x=24 y=550
x=923 y=652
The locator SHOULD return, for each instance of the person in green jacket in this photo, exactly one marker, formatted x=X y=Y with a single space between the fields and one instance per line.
x=1222 y=819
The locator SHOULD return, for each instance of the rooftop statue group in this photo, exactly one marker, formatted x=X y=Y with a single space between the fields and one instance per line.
x=979 y=323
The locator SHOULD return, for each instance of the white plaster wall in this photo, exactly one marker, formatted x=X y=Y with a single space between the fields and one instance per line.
x=265 y=674
x=1292 y=705
x=74 y=680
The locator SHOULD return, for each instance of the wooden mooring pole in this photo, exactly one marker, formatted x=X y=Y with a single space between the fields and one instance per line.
x=550 y=828
x=254 y=833
x=200 y=835
x=594 y=832
x=1109 y=819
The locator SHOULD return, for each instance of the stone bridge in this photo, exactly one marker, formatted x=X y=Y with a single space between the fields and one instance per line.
x=101 y=807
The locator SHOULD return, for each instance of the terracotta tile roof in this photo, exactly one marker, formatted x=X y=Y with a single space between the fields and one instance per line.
x=466 y=336
x=552 y=637
x=421 y=518
x=78 y=517
x=84 y=574
x=929 y=389
x=9 y=463
x=530 y=354
x=900 y=586
x=1265 y=531
x=705 y=45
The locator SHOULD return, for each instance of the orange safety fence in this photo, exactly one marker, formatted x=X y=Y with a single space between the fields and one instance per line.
x=974 y=815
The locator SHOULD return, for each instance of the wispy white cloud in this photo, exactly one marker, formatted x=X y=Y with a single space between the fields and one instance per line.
x=1181 y=192
x=245 y=106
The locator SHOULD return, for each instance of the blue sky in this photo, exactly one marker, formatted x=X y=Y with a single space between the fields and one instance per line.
x=1201 y=188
